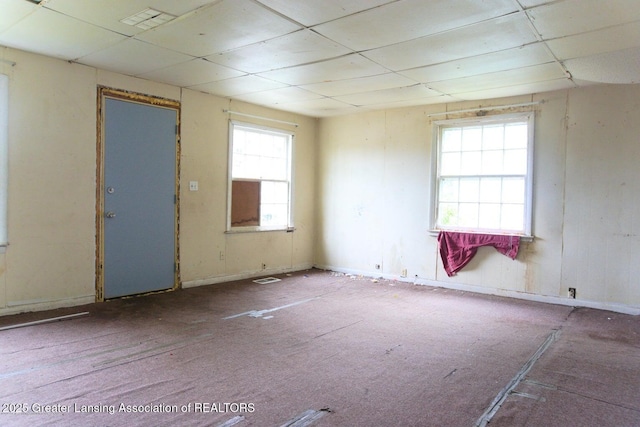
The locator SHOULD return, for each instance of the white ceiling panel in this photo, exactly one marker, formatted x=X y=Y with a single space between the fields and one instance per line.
x=524 y=89
x=108 y=13
x=124 y=58
x=489 y=36
x=359 y=85
x=195 y=71
x=221 y=26
x=310 y=12
x=595 y=42
x=13 y=11
x=536 y=73
x=410 y=19
x=278 y=96
x=297 y=48
x=238 y=86
x=578 y=16
x=622 y=67
x=345 y=67
x=417 y=91
x=309 y=56
x=322 y=107
x=508 y=59
x=33 y=33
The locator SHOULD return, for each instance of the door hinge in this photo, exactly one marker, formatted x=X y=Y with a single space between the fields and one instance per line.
x=177 y=129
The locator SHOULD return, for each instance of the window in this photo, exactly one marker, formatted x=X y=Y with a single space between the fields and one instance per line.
x=260 y=181
x=483 y=174
x=4 y=124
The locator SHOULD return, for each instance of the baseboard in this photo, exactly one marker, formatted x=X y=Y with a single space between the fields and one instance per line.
x=17 y=307
x=244 y=275
x=548 y=299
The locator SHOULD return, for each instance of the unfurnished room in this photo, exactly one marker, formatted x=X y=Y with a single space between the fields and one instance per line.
x=320 y=213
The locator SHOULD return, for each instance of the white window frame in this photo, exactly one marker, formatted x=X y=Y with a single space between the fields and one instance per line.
x=438 y=126
x=268 y=130
x=4 y=154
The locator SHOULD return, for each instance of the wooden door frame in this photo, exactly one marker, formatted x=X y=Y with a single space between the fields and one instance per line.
x=102 y=95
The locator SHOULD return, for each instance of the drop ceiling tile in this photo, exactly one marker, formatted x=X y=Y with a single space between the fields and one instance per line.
x=346 y=67
x=595 y=42
x=193 y=72
x=297 y=48
x=322 y=107
x=619 y=67
x=238 y=86
x=358 y=85
x=578 y=16
x=14 y=11
x=416 y=91
x=440 y=99
x=406 y=20
x=108 y=13
x=536 y=73
x=524 y=89
x=532 y=54
x=52 y=34
x=222 y=26
x=125 y=58
x=309 y=12
x=278 y=96
x=485 y=37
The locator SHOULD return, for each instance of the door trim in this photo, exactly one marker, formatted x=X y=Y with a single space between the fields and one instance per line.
x=104 y=93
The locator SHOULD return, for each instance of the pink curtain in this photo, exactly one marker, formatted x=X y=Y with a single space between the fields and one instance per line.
x=457 y=249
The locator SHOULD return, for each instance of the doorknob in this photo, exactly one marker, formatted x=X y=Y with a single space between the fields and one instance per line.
x=110 y=214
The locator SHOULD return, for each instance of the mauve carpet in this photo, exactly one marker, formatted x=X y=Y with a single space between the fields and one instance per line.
x=322 y=349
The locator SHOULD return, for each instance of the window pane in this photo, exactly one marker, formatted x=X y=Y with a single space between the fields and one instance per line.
x=450 y=164
x=512 y=217
x=275 y=192
x=492 y=137
x=471 y=163
x=513 y=190
x=469 y=190
x=449 y=189
x=273 y=215
x=448 y=214
x=492 y=162
x=516 y=135
x=515 y=161
x=471 y=138
x=489 y=216
x=468 y=215
x=490 y=190
x=451 y=139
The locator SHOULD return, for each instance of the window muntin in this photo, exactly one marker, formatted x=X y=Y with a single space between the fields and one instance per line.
x=483 y=174
x=261 y=156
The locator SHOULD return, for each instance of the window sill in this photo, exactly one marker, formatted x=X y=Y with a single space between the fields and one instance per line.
x=241 y=230
x=523 y=238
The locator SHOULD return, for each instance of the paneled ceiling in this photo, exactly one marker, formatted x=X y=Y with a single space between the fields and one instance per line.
x=333 y=57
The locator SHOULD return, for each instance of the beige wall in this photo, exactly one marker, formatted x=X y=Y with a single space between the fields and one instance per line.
x=361 y=194
x=374 y=174
x=50 y=260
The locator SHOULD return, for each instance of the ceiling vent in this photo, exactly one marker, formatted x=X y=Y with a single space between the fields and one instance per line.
x=147 y=19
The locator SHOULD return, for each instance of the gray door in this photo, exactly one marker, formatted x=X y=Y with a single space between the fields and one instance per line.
x=139 y=187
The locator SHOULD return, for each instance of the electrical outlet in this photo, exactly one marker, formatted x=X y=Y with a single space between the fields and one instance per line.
x=264 y=266
x=403 y=273
x=377 y=266
x=572 y=293
x=221 y=255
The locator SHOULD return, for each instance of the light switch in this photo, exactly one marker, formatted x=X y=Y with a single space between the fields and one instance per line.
x=193 y=185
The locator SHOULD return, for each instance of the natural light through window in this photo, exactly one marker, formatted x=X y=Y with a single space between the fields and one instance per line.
x=260 y=178
x=483 y=174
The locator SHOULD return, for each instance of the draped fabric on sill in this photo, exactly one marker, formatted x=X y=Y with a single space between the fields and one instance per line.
x=457 y=249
